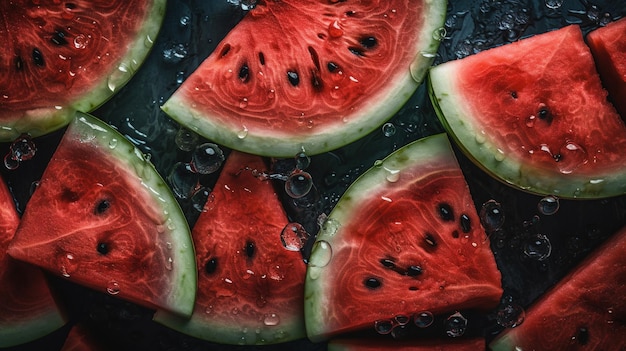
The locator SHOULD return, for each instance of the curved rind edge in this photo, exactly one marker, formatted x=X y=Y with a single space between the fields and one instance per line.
x=38 y=122
x=33 y=329
x=182 y=296
x=422 y=151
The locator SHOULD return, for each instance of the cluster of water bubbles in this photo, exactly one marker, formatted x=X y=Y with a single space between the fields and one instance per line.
x=455 y=325
x=21 y=149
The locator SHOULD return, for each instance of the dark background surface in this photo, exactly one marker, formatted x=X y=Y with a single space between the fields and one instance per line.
x=190 y=32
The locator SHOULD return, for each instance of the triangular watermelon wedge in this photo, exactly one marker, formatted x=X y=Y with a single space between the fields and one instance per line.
x=28 y=309
x=103 y=217
x=250 y=287
x=586 y=310
x=404 y=238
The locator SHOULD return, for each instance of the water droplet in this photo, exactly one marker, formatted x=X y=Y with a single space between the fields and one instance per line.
x=334 y=30
x=553 y=4
x=186 y=140
x=169 y=264
x=491 y=216
x=548 y=205
x=330 y=226
x=439 y=34
x=298 y=184
x=184 y=21
x=510 y=315
x=22 y=148
x=199 y=198
x=271 y=319
x=423 y=319
x=243 y=103
x=242 y=133
x=81 y=41
x=294 y=236
x=175 y=53
x=303 y=161
x=321 y=254
x=247 y=5
x=537 y=247
x=402 y=319
x=389 y=129
x=392 y=175
x=183 y=180
x=530 y=121
x=112 y=143
x=207 y=158
x=10 y=163
x=113 y=287
x=570 y=157
x=455 y=325
x=383 y=326
x=67 y=265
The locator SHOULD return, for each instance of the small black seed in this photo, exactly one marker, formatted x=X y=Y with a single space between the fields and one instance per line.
x=368 y=42
x=466 y=224
x=261 y=59
x=102 y=206
x=225 y=50
x=69 y=195
x=583 y=336
x=316 y=81
x=544 y=114
x=387 y=263
x=293 y=77
x=455 y=234
x=557 y=157
x=350 y=13
x=250 y=249
x=19 y=63
x=413 y=288
x=356 y=51
x=70 y=5
x=372 y=283
x=103 y=248
x=58 y=38
x=211 y=265
x=514 y=94
x=332 y=67
x=38 y=57
x=430 y=240
x=412 y=271
x=244 y=73
x=315 y=57
x=445 y=212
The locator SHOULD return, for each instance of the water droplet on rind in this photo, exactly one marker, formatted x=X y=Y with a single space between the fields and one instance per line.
x=321 y=254
x=271 y=319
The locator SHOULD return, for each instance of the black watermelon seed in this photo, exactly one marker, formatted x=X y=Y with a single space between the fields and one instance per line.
x=38 y=57
x=387 y=263
x=225 y=50
x=545 y=114
x=315 y=57
x=368 y=42
x=514 y=94
x=332 y=67
x=293 y=77
x=58 y=38
x=316 y=81
x=211 y=265
x=102 y=206
x=466 y=224
x=583 y=336
x=372 y=283
x=261 y=59
x=103 y=248
x=356 y=51
x=250 y=249
x=445 y=212
x=412 y=271
x=455 y=234
x=430 y=240
x=244 y=73
x=70 y=5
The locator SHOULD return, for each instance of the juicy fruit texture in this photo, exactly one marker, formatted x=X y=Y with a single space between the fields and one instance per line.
x=474 y=344
x=404 y=238
x=608 y=45
x=534 y=114
x=344 y=69
x=80 y=339
x=28 y=310
x=584 y=311
x=61 y=56
x=102 y=217
x=250 y=286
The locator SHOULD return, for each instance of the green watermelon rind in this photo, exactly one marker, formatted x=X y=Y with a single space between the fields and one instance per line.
x=457 y=120
x=435 y=149
x=37 y=327
x=41 y=121
x=86 y=128
x=284 y=143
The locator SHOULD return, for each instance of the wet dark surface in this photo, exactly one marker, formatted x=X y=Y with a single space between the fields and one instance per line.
x=191 y=31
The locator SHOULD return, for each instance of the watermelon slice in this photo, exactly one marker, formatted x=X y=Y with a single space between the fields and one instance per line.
x=404 y=238
x=102 y=217
x=60 y=56
x=344 y=68
x=250 y=286
x=608 y=45
x=28 y=310
x=584 y=311
x=473 y=344
x=80 y=338
x=505 y=109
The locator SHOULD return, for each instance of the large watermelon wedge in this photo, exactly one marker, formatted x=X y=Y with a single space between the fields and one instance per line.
x=250 y=287
x=102 y=217
x=586 y=310
x=404 y=238
x=534 y=114
x=61 y=56
x=310 y=75
x=608 y=45
x=28 y=310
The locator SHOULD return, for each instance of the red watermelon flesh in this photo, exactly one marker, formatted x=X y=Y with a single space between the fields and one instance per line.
x=61 y=56
x=404 y=238
x=586 y=310
x=102 y=217
x=80 y=338
x=608 y=45
x=310 y=75
x=27 y=309
x=250 y=287
x=462 y=344
x=534 y=114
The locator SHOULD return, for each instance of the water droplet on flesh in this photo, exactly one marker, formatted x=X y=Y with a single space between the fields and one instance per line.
x=571 y=156
x=548 y=205
x=510 y=315
x=538 y=247
x=294 y=236
x=207 y=158
x=321 y=254
x=492 y=216
x=113 y=287
x=271 y=319
x=298 y=184
x=334 y=30
x=455 y=325
x=67 y=265
x=423 y=319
